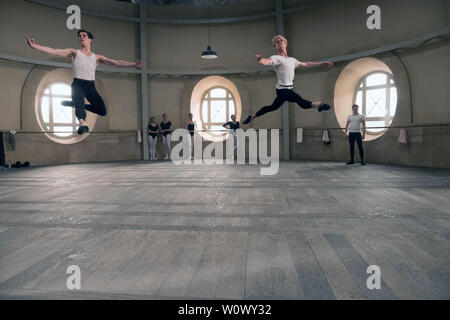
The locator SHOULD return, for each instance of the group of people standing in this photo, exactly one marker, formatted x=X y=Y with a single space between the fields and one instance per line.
x=165 y=129
x=352 y=129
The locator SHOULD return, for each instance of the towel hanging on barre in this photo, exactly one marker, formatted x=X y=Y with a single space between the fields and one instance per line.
x=402 y=138
x=326 y=137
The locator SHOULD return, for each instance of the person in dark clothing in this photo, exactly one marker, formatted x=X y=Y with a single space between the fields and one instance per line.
x=153 y=130
x=285 y=69
x=84 y=63
x=232 y=125
x=191 y=128
x=165 y=129
x=353 y=130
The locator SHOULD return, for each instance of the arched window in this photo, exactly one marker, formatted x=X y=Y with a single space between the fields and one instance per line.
x=376 y=95
x=214 y=99
x=57 y=120
x=369 y=83
x=217 y=107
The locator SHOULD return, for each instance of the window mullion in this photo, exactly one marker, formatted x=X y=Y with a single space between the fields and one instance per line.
x=364 y=98
x=388 y=103
x=50 y=113
x=209 y=113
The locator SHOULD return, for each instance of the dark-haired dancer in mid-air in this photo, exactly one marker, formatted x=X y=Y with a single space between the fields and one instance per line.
x=285 y=70
x=84 y=63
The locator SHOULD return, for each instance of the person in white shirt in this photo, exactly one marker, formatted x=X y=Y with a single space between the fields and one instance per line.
x=285 y=70
x=353 y=131
x=84 y=63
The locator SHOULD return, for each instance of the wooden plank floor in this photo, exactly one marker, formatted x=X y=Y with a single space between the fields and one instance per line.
x=154 y=230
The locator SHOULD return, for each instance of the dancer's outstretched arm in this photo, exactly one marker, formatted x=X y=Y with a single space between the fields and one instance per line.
x=313 y=64
x=264 y=61
x=118 y=63
x=64 y=53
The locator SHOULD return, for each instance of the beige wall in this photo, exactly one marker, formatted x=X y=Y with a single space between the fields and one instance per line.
x=430 y=79
x=336 y=29
x=12 y=78
x=179 y=47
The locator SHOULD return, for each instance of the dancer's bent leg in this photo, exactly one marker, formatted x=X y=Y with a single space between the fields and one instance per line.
x=97 y=105
x=79 y=89
x=78 y=94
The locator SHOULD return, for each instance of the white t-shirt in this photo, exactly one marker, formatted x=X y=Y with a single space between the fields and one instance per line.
x=355 y=122
x=285 y=70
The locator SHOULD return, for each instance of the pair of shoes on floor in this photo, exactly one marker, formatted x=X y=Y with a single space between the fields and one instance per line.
x=82 y=129
x=352 y=162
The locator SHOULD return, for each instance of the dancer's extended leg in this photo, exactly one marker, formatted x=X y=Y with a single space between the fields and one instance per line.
x=277 y=103
x=291 y=96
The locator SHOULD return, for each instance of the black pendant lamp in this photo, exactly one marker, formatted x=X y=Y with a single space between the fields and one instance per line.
x=209 y=53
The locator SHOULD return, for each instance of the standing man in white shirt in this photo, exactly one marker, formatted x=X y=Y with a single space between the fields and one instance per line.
x=84 y=63
x=285 y=70
x=354 y=121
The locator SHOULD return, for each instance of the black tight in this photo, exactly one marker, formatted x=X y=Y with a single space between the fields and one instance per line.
x=86 y=89
x=284 y=95
x=351 y=138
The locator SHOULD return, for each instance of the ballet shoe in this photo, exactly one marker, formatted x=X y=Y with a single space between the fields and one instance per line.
x=82 y=129
x=249 y=118
x=67 y=103
x=323 y=106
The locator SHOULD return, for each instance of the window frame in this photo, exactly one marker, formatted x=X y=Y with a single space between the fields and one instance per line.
x=388 y=86
x=228 y=97
x=197 y=93
x=51 y=124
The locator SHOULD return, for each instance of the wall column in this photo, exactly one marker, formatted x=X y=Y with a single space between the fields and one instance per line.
x=144 y=77
x=285 y=107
